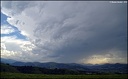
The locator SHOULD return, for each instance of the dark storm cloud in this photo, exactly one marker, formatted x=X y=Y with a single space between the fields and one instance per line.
x=71 y=31
x=94 y=29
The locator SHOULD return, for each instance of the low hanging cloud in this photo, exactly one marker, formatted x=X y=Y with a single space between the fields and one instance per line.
x=71 y=31
x=13 y=48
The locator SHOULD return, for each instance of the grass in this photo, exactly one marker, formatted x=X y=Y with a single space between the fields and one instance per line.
x=6 y=75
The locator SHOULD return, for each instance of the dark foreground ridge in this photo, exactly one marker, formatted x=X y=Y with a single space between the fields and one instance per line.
x=30 y=72
x=39 y=70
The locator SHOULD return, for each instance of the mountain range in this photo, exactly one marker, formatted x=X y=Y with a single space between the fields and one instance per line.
x=107 y=68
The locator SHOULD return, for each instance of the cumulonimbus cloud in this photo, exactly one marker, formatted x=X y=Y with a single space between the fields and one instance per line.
x=70 y=31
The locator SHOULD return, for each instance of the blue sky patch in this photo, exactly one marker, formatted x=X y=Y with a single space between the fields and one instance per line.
x=16 y=33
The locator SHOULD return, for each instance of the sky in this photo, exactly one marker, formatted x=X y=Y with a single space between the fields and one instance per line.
x=89 y=32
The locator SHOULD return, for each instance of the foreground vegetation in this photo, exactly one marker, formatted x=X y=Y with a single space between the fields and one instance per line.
x=25 y=72
x=8 y=75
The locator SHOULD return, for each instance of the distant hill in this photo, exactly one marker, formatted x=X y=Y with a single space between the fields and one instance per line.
x=9 y=61
x=104 y=68
x=36 y=70
x=52 y=65
x=110 y=68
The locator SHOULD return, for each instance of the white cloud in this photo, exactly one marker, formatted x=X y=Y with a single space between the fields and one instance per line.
x=10 y=54
x=17 y=49
x=6 y=29
x=24 y=33
x=3 y=47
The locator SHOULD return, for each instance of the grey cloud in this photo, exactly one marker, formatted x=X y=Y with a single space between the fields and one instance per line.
x=88 y=32
x=71 y=31
x=18 y=6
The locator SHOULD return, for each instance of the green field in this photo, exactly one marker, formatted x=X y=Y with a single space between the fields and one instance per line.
x=5 y=75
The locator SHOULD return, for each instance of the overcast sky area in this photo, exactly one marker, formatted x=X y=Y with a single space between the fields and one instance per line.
x=92 y=32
